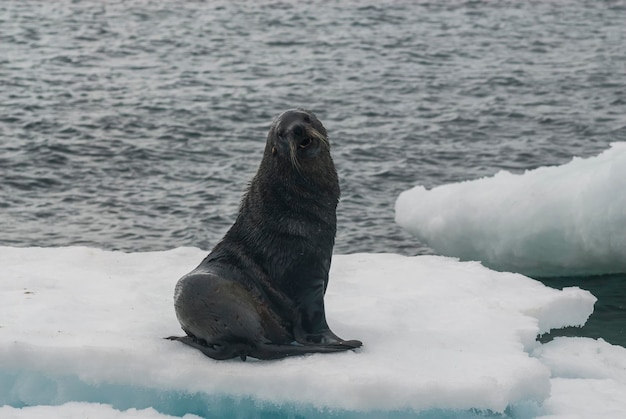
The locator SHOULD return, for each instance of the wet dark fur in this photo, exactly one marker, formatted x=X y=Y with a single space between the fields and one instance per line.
x=260 y=292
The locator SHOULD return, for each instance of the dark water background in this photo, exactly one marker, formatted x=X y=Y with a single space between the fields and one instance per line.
x=136 y=125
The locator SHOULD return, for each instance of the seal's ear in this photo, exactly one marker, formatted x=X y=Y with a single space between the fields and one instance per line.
x=273 y=150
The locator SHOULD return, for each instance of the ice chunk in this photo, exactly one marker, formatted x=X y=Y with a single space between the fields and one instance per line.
x=553 y=221
x=589 y=378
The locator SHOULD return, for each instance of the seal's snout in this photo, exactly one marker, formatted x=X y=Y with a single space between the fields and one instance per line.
x=298 y=131
x=301 y=135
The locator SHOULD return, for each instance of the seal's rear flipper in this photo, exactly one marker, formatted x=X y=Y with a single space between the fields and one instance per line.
x=263 y=351
x=215 y=351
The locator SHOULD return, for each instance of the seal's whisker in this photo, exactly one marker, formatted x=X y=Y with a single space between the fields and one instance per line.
x=318 y=135
x=293 y=156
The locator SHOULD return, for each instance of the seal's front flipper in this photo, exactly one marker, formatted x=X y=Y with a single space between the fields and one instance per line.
x=277 y=351
x=311 y=327
x=352 y=344
x=326 y=338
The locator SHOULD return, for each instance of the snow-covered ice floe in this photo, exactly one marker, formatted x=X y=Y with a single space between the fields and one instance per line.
x=552 y=221
x=81 y=330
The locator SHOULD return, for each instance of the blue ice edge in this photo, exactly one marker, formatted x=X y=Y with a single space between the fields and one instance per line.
x=20 y=388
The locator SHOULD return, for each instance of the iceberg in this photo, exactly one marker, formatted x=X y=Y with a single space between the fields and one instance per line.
x=81 y=333
x=567 y=220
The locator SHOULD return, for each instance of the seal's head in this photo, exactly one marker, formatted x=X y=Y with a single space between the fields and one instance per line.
x=297 y=137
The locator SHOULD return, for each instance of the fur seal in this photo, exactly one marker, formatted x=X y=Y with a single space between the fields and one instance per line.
x=260 y=292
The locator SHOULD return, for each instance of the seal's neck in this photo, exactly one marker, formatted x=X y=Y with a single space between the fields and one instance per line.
x=310 y=180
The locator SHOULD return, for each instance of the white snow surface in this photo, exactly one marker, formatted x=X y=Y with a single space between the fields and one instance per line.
x=75 y=410
x=437 y=333
x=552 y=221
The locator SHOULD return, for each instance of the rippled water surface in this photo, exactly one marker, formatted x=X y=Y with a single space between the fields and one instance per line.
x=136 y=125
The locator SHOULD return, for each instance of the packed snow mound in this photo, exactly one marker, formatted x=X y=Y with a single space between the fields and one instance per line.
x=80 y=324
x=552 y=221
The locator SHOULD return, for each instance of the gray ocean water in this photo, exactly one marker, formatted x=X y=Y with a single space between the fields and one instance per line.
x=136 y=125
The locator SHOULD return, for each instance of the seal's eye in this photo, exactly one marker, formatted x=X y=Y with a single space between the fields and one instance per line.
x=305 y=142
